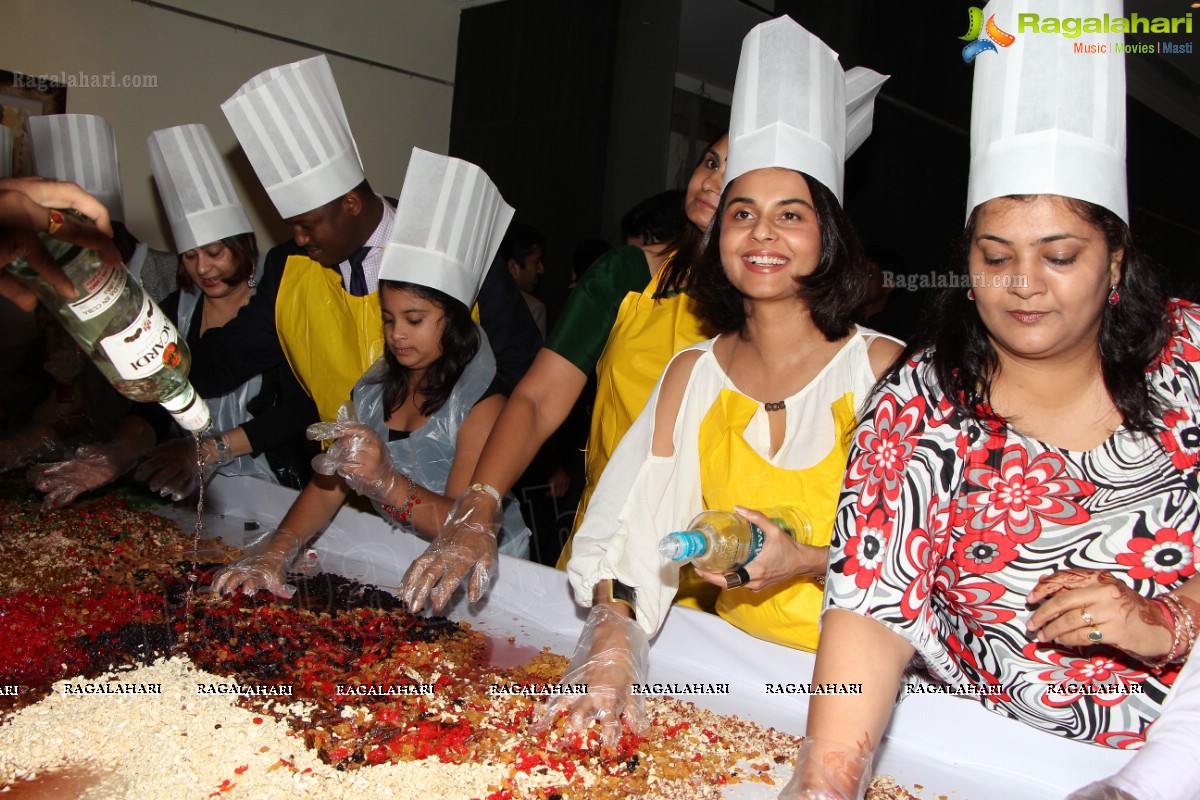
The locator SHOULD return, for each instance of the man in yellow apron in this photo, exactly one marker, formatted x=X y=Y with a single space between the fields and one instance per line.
x=318 y=302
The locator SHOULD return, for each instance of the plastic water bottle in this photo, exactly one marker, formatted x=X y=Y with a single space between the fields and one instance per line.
x=132 y=342
x=719 y=541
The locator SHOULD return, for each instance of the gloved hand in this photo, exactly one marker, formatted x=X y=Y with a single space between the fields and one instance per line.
x=263 y=567
x=31 y=445
x=93 y=466
x=611 y=656
x=172 y=469
x=828 y=771
x=359 y=456
x=466 y=544
x=1100 y=790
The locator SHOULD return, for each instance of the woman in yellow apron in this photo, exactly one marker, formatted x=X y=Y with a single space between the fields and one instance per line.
x=652 y=325
x=757 y=417
x=625 y=319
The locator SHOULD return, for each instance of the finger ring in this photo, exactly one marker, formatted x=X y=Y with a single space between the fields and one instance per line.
x=736 y=578
x=1095 y=635
x=56 y=222
x=1087 y=617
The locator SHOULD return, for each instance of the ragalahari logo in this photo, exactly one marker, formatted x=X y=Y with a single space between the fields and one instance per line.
x=982 y=38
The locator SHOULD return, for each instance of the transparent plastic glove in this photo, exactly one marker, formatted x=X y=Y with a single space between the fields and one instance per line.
x=172 y=470
x=264 y=566
x=466 y=545
x=360 y=456
x=323 y=431
x=1100 y=790
x=828 y=771
x=93 y=466
x=611 y=656
x=29 y=446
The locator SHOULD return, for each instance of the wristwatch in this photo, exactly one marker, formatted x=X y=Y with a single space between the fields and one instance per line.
x=621 y=593
x=221 y=441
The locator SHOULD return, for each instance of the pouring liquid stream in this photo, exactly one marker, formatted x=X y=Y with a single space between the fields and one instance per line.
x=192 y=576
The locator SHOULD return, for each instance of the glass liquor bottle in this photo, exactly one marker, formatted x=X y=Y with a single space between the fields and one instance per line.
x=132 y=342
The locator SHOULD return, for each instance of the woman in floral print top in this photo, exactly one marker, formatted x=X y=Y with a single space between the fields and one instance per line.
x=1022 y=496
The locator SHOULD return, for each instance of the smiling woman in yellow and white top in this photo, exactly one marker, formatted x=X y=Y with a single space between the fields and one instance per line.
x=759 y=416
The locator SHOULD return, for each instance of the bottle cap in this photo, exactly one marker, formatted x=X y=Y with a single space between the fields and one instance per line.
x=683 y=545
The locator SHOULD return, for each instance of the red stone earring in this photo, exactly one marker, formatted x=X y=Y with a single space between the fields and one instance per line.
x=1114 y=296
x=970 y=294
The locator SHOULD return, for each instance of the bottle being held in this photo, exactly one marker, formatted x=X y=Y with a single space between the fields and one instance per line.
x=64 y=362
x=121 y=329
x=720 y=541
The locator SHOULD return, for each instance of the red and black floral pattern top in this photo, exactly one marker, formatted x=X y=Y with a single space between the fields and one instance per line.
x=945 y=525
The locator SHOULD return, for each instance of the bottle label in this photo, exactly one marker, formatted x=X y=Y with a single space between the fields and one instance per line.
x=189 y=410
x=146 y=346
x=101 y=289
x=694 y=544
x=758 y=538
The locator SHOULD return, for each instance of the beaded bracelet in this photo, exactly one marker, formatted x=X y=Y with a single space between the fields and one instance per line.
x=402 y=513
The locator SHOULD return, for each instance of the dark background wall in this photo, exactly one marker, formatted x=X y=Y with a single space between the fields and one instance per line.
x=568 y=105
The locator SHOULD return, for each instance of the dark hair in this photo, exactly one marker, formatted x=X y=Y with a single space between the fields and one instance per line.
x=460 y=343
x=1133 y=332
x=519 y=241
x=684 y=250
x=832 y=292
x=244 y=249
x=656 y=219
x=586 y=253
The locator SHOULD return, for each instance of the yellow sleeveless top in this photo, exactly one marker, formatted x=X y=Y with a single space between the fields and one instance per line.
x=733 y=473
x=328 y=335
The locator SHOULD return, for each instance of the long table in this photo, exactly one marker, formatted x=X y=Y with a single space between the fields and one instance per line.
x=949 y=746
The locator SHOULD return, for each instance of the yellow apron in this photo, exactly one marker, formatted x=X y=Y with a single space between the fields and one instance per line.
x=647 y=333
x=732 y=473
x=328 y=335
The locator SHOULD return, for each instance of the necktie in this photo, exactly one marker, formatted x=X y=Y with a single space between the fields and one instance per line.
x=358 y=278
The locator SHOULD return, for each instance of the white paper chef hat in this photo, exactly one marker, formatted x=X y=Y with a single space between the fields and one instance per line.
x=794 y=107
x=81 y=148
x=1048 y=120
x=194 y=185
x=293 y=128
x=449 y=223
x=6 y=151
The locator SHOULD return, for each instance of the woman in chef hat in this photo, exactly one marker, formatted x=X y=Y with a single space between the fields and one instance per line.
x=1020 y=507
x=420 y=414
x=758 y=417
x=217 y=268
